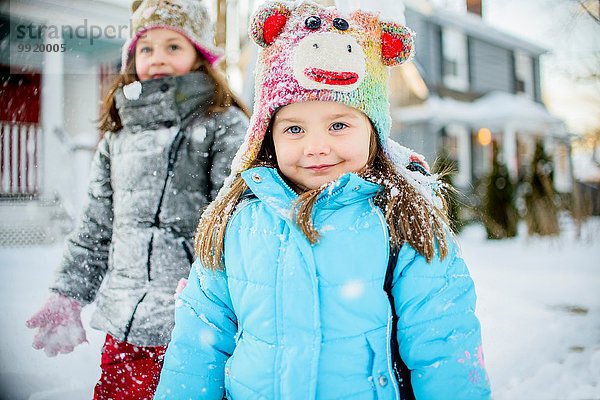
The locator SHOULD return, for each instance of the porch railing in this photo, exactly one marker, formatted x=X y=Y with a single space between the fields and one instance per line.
x=19 y=159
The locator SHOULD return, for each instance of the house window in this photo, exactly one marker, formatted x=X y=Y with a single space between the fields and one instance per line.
x=524 y=74
x=455 y=67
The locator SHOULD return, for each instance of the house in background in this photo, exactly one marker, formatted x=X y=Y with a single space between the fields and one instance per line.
x=468 y=86
x=56 y=59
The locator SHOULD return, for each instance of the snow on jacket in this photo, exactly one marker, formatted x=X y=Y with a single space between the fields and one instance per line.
x=291 y=320
x=148 y=183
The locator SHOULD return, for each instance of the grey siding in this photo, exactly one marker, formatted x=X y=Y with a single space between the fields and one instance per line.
x=427 y=46
x=435 y=53
x=491 y=67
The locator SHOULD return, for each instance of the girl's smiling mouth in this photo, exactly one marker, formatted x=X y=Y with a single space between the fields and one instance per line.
x=320 y=167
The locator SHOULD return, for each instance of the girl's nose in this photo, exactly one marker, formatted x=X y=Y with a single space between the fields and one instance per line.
x=316 y=147
x=157 y=57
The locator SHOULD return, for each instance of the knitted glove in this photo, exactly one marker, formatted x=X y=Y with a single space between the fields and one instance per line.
x=59 y=323
x=180 y=286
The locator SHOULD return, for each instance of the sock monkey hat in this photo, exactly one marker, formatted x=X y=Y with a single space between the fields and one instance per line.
x=314 y=53
x=188 y=17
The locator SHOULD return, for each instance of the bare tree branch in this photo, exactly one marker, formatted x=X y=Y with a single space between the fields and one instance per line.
x=588 y=11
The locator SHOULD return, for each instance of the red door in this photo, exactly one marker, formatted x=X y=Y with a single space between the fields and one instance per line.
x=19 y=132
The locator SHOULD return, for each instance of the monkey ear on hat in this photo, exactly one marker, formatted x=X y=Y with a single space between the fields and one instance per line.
x=268 y=22
x=397 y=43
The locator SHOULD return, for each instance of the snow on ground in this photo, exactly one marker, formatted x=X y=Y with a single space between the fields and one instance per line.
x=538 y=303
x=25 y=373
x=539 y=306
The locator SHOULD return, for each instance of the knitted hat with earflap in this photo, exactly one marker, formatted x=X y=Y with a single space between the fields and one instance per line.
x=188 y=17
x=315 y=53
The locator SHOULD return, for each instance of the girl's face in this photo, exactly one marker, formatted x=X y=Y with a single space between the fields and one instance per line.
x=162 y=52
x=318 y=141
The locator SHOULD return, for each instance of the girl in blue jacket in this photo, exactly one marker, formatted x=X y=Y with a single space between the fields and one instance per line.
x=324 y=267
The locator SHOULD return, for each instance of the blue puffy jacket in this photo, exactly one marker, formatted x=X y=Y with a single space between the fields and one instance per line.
x=291 y=320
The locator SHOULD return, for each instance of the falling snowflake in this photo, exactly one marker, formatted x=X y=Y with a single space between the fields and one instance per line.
x=352 y=290
x=207 y=337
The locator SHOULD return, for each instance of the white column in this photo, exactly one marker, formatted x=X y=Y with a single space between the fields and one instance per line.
x=463 y=176
x=562 y=169
x=81 y=110
x=232 y=46
x=509 y=149
x=52 y=117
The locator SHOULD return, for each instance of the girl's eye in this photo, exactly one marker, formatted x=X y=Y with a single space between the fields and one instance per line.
x=294 y=130
x=145 y=49
x=338 y=126
x=174 y=47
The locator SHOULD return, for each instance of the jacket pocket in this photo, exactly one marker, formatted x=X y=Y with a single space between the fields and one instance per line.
x=228 y=378
x=236 y=338
x=240 y=383
x=381 y=377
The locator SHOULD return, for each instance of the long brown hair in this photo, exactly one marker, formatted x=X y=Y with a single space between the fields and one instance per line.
x=223 y=98
x=410 y=217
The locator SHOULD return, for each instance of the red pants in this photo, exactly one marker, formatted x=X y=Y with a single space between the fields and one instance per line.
x=128 y=372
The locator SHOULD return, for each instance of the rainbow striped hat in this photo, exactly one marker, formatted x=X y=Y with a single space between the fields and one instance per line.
x=309 y=52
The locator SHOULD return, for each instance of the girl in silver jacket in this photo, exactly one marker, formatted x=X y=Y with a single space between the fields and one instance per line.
x=173 y=127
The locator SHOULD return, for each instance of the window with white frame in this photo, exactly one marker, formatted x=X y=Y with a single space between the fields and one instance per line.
x=524 y=74
x=455 y=59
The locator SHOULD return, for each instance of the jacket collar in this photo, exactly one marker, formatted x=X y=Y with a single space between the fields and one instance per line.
x=269 y=186
x=164 y=102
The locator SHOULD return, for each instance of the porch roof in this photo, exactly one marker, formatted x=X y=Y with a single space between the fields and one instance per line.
x=495 y=110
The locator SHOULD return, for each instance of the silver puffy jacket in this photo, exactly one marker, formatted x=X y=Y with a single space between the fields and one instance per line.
x=148 y=184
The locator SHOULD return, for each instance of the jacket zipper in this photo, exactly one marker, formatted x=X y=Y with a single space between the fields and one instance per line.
x=391 y=373
x=291 y=192
x=173 y=151
x=331 y=195
x=294 y=195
